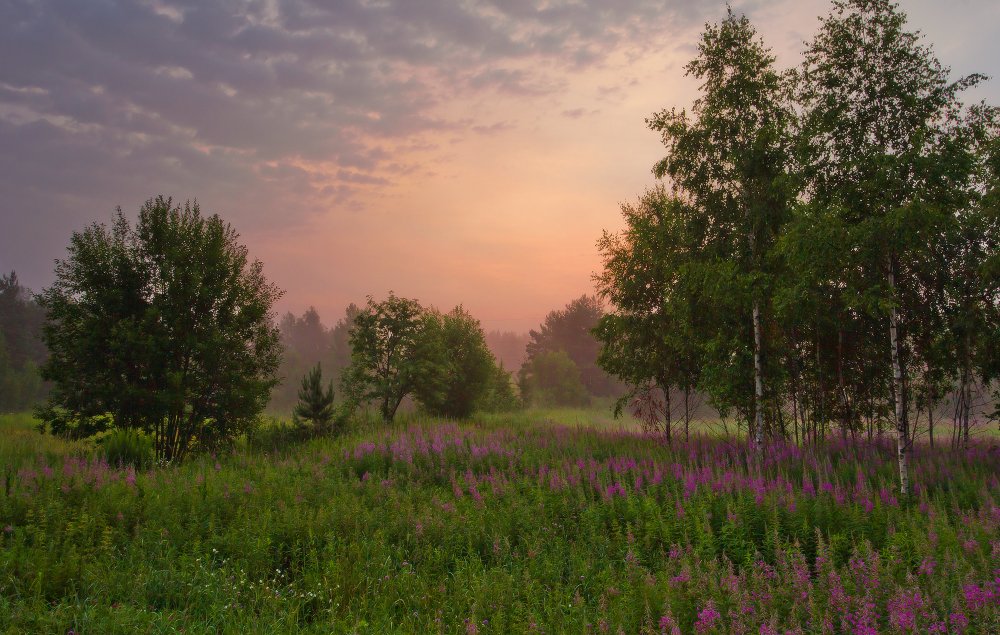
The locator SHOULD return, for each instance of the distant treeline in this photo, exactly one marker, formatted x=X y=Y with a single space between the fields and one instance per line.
x=21 y=347
x=555 y=365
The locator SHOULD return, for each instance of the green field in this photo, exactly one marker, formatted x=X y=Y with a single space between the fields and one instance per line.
x=534 y=522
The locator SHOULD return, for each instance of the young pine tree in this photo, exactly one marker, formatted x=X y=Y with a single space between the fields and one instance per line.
x=315 y=409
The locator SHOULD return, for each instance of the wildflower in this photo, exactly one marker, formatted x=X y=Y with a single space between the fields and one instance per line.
x=668 y=626
x=977 y=597
x=707 y=618
x=927 y=567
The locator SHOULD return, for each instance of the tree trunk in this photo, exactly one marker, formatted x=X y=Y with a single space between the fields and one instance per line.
x=666 y=411
x=758 y=372
x=845 y=409
x=795 y=410
x=930 y=422
x=687 y=412
x=967 y=384
x=818 y=415
x=897 y=383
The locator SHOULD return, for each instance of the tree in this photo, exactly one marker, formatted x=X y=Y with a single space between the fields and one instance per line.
x=551 y=378
x=649 y=337
x=21 y=347
x=729 y=162
x=499 y=395
x=395 y=352
x=877 y=108
x=315 y=409
x=165 y=326
x=571 y=330
x=468 y=370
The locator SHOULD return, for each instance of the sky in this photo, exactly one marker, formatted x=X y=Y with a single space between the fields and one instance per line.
x=454 y=151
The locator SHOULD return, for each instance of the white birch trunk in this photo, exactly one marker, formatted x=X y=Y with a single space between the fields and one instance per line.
x=897 y=384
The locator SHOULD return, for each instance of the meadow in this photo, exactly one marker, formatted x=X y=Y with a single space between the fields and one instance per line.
x=517 y=523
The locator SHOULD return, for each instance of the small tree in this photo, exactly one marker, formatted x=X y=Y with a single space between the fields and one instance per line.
x=165 y=326
x=551 y=378
x=315 y=409
x=500 y=395
x=468 y=369
x=649 y=337
x=395 y=352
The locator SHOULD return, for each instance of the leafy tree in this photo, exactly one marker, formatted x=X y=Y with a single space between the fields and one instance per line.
x=165 y=326
x=571 y=330
x=729 y=160
x=468 y=370
x=315 y=410
x=551 y=378
x=878 y=109
x=499 y=395
x=395 y=352
x=650 y=336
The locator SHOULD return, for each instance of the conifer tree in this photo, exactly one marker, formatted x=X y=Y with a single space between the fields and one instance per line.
x=315 y=409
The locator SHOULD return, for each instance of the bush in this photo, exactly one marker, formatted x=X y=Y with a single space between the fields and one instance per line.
x=122 y=448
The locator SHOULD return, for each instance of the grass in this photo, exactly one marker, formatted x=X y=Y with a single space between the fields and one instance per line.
x=531 y=522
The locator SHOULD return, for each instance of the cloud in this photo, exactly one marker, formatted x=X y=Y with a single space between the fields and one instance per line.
x=102 y=100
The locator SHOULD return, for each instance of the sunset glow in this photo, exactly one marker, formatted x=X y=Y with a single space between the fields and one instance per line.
x=453 y=152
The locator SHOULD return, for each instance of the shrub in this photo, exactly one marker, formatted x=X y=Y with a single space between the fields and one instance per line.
x=122 y=448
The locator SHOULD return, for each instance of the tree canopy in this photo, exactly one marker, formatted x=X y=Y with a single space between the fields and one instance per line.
x=166 y=326
x=825 y=251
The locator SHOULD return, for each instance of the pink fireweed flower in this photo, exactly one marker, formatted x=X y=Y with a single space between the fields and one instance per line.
x=707 y=618
x=668 y=626
x=977 y=597
x=959 y=622
x=927 y=567
x=905 y=610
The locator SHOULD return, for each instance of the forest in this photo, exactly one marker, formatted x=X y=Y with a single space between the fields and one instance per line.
x=776 y=411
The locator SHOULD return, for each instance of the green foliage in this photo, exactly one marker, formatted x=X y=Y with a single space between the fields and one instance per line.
x=499 y=395
x=651 y=338
x=729 y=161
x=551 y=378
x=468 y=370
x=123 y=448
x=395 y=352
x=430 y=527
x=571 y=330
x=63 y=423
x=315 y=410
x=826 y=230
x=165 y=325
